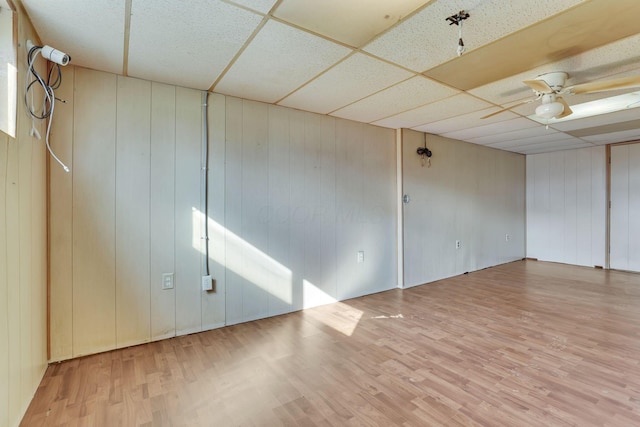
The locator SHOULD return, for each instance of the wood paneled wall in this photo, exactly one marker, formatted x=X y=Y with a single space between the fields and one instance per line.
x=470 y=193
x=566 y=206
x=625 y=207
x=293 y=197
x=23 y=257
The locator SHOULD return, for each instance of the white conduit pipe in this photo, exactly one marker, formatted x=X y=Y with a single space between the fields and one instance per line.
x=205 y=184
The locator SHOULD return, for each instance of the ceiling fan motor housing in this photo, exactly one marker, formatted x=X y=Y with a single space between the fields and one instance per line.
x=555 y=80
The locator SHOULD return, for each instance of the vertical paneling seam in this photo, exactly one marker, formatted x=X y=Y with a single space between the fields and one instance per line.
x=115 y=221
x=176 y=282
x=73 y=133
x=150 y=284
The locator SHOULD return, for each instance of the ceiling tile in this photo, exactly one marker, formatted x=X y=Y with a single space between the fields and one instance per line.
x=613 y=137
x=355 y=78
x=279 y=60
x=618 y=59
x=346 y=21
x=421 y=41
x=401 y=97
x=601 y=120
x=513 y=135
x=492 y=129
x=204 y=38
x=550 y=137
x=550 y=147
x=262 y=6
x=466 y=121
x=439 y=110
x=72 y=27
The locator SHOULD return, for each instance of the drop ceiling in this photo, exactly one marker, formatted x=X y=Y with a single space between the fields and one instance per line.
x=389 y=63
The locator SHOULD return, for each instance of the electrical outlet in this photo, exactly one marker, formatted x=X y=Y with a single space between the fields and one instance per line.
x=360 y=257
x=167 y=280
x=207 y=283
x=507 y=237
x=458 y=244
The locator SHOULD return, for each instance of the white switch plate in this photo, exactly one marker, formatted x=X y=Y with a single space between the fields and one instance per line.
x=360 y=257
x=207 y=283
x=458 y=244
x=167 y=280
x=506 y=237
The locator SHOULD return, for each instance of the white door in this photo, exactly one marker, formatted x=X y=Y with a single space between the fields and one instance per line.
x=625 y=208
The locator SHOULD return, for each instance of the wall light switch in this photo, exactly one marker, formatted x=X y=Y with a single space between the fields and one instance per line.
x=458 y=244
x=167 y=280
x=207 y=283
x=360 y=257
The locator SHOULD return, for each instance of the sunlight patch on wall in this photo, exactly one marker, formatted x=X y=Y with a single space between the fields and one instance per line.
x=244 y=259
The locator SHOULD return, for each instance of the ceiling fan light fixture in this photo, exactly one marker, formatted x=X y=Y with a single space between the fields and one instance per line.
x=549 y=110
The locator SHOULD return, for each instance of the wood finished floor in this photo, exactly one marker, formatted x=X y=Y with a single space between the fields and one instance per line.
x=522 y=344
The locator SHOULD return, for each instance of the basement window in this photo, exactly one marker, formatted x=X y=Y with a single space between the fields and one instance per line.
x=8 y=70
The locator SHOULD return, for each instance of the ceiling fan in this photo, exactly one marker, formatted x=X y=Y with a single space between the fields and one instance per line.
x=549 y=89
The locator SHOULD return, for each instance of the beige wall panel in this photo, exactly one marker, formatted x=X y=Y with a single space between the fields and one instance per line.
x=188 y=244
x=133 y=123
x=326 y=195
x=4 y=284
x=13 y=280
x=61 y=223
x=257 y=266
x=488 y=188
x=94 y=212
x=213 y=303
x=379 y=209
x=38 y=263
x=457 y=199
x=27 y=312
x=297 y=211
x=566 y=217
x=277 y=213
x=22 y=258
x=350 y=176
x=429 y=217
x=162 y=208
x=466 y=178
x=314 y=203
x=233 y=209
x=511 y=179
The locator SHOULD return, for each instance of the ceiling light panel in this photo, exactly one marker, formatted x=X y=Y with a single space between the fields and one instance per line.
x=204 y=37
x=351 y=22
x=262 y=6
x=93 y=43
x=424 y=37
x=404 y=96
x=492 y=129
x=439 y=110
x=354 y=78
x=278 y=61
x=466 y=121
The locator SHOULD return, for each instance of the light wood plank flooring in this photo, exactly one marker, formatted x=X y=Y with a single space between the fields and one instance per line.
x=522 y=344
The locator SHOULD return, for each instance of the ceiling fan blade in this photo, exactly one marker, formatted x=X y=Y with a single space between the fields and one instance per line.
x=621 y=83
x=567 y=110
x=508 y=108
x=540 y=86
